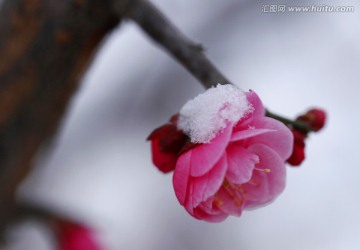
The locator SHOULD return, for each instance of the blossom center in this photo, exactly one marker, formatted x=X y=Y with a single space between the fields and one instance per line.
x=235 y=191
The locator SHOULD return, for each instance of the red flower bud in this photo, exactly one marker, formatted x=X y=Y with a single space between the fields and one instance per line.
x=315 y=119
x=298 y=154
x=166 y=144
x=72 y=236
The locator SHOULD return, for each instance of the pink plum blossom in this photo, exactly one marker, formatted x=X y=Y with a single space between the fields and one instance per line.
x=241 y=168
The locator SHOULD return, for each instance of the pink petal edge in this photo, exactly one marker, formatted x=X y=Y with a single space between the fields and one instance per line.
x=181 y=176
x=205 y=156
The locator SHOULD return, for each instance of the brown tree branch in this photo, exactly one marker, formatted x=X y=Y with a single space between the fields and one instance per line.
x=188 y=53
x=296 y=124
x=45 y=46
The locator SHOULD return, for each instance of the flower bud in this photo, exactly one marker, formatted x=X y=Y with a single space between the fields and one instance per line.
x=73 y=236
x=298 y=154
x=166 y=143
x=315 y=119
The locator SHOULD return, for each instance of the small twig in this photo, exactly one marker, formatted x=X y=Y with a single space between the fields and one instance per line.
x=296 y=124
x=188 y=53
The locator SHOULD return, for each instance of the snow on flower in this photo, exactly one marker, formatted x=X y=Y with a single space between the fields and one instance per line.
x=208 y=113
x=235 y=159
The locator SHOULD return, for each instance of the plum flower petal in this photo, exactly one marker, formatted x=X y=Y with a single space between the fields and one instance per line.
x=280 y=139
x=181 y=176
x=205 y=186
x=209 y=214
x=213 y=151
x=239 y=156
x=254 y=100
x=244 y=134
x=265 y=187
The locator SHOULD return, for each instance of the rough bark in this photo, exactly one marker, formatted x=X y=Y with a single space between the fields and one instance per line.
x=45 y=46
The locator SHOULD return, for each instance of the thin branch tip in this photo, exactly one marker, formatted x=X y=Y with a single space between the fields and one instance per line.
x=186 y=52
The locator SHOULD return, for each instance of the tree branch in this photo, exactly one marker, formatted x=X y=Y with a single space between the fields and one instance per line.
x=45 y=47
x=296 y=124
x=188 y=53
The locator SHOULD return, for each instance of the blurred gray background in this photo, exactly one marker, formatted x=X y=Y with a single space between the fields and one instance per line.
x=99 y=167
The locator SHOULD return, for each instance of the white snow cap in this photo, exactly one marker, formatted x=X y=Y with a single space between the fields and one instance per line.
x=207 y=114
